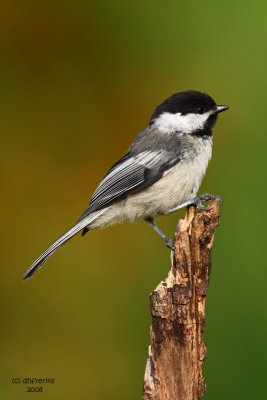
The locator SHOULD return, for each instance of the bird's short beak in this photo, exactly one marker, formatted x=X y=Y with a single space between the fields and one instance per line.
x=219 y=109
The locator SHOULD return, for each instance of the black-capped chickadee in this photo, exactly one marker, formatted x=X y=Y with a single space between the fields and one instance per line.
x=160 y=173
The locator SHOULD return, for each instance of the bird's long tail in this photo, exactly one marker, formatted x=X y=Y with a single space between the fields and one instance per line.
x=59 y=242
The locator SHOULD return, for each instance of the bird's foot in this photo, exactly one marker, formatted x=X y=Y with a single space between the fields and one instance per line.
x=169 y=243
x=197 y=201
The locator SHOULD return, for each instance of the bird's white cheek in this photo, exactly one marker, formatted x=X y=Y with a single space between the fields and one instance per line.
x=188 y=123
x=193 y=122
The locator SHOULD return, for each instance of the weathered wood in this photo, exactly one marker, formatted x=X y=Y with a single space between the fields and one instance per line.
x=177 y=350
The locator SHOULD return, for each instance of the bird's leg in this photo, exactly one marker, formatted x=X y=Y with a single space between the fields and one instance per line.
x=169 y=242
x=196 y=201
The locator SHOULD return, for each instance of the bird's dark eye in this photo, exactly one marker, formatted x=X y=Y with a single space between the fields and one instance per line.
x=200 y=110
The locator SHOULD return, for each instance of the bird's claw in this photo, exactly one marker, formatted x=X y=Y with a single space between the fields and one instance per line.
x=208 y=196
x=205 y=197
x=169 y=243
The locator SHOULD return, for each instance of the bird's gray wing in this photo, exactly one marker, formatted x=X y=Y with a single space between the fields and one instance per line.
x=129 y=175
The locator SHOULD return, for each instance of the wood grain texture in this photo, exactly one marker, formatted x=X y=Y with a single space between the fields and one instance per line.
x=177 y=350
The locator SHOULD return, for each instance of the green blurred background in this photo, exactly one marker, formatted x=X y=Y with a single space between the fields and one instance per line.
x=78 y=80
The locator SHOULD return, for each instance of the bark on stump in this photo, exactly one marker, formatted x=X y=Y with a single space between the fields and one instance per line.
x=177 y=350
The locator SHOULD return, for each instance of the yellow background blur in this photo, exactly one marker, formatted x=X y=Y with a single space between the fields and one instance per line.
x=78 y=81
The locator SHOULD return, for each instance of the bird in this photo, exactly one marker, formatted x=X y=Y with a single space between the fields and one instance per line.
x=160 y=173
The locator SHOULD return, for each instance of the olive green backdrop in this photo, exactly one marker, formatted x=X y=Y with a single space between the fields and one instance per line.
x=78 y=80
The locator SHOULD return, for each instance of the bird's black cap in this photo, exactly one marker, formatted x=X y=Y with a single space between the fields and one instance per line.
x=190 y=101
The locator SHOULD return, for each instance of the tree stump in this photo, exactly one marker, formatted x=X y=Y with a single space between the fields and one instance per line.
x=177 y=350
